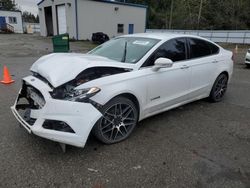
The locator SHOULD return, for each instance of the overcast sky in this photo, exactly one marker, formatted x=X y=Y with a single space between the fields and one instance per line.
x=28 y=5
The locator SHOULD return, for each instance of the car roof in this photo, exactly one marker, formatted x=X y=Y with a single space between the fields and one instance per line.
x=162 y=36
x=167 y=36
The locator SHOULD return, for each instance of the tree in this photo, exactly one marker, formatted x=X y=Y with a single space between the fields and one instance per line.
x=197 y=14
x=29 y=17
x=7 y=5
x=171 y=14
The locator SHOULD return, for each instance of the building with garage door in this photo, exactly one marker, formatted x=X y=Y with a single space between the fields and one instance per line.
x=11 y=21
x=81 y=18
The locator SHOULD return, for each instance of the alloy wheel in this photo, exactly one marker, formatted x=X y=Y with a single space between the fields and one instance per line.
x=221 y=87
x=118 y=122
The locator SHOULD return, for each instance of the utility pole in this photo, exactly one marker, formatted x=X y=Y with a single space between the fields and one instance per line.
x=189 y=11
x=171 y=15
x=237 y=16
x=199 y=15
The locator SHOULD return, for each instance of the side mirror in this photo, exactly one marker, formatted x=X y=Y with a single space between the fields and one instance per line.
x=162 y=63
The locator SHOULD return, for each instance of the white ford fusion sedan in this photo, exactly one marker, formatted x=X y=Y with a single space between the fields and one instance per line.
x=123 y=81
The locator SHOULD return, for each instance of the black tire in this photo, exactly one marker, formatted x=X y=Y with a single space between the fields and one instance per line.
x=219 y=88
x=247 y=65
x=119 y=119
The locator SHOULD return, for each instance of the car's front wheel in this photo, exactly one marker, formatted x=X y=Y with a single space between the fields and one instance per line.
x=119 y=119
x=219 y=88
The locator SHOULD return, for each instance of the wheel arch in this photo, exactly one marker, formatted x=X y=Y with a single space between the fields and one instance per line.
x=224 y=72
x=96 y=130
x=211 y=97
x=221 y=72
x=131 y=97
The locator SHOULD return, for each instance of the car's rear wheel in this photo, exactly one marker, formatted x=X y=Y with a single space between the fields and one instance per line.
x=219 y=88
x=119 y=119
x=248 y=65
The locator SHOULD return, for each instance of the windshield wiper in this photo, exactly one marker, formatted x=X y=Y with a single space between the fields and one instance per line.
x=125 y=53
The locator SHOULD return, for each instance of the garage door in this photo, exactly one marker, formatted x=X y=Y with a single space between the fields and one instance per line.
x=61 y=19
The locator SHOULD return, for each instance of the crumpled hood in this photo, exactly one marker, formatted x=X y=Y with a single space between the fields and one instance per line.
x=59 y=68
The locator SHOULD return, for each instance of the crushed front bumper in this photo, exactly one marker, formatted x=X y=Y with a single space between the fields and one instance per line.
x=78 y=118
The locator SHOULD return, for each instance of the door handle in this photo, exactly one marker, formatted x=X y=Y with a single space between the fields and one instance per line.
x=184 y=67
x=215 y=61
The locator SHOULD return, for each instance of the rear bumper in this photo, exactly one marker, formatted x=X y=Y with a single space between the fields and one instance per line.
x=80 y=117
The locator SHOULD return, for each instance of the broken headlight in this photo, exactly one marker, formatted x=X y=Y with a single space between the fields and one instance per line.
x=81 y=95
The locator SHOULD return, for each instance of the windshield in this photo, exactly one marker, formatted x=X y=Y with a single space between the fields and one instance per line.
x=125 y=49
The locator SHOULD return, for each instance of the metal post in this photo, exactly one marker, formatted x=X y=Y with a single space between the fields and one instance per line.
x=244 y=39
x=227 y=36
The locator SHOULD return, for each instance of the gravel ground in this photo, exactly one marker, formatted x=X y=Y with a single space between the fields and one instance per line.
x=199 y=145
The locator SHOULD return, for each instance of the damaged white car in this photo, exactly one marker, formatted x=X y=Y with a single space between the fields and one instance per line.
x=119 y=83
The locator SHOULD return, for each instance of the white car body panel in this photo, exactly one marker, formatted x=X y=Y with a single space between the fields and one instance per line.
x=156 y=91
x=247 y=58
x=201 y=81
x=167 y=94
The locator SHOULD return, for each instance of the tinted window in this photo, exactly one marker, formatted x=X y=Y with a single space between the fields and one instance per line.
x=174 y=49
x=201 y=48
x=214 y=49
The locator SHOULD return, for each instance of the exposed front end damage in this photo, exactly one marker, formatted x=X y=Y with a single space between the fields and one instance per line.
x=63 y=121
x=54 y=102
x=61 y=68
x=84 y=77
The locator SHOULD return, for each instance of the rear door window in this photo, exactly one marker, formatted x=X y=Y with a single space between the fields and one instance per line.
x=201 y=48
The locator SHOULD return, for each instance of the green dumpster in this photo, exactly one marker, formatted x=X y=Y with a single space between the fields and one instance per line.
x=61 y=43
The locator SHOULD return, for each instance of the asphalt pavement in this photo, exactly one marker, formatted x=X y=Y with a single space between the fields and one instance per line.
x=199 y=145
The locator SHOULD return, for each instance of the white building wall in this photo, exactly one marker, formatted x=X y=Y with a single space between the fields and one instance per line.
x=43 y=31
x=18 y=27
x=70 y=16
x=94 y=17
x=101 y=17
